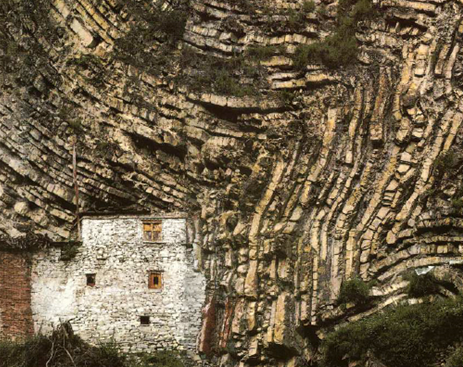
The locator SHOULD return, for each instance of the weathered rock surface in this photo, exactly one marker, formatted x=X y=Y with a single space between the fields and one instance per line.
x=350 y=178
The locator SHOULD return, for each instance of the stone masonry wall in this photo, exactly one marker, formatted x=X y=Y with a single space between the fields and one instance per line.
x=114 y=250
x=15 y=296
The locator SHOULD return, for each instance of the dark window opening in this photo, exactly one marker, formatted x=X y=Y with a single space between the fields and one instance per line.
x=144 y=320
x=155 y=280
x=152 y=230
x=91 y=279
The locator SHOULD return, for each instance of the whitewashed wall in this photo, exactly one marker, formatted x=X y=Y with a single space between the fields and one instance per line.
x=114 y=249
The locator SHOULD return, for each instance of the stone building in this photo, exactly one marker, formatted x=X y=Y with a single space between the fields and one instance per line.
x=133 y=281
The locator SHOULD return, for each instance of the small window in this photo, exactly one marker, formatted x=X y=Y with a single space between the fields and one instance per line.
x=91 y=279
x=152 y=230
x=144 y=320
x=155 y=281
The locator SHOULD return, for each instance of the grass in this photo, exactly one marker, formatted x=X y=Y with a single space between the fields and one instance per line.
x=405 y=336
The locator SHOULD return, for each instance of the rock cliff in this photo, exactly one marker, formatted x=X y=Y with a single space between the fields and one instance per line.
x=310 y=142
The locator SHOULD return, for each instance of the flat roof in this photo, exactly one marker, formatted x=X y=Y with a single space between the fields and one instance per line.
x=139 y=215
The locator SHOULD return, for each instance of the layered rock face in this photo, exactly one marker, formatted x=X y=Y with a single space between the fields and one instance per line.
x=301 y=179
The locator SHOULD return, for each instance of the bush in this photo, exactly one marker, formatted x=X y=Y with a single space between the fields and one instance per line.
x=340 y=48
x=362 y=10
x=422 y=285
x=354 y=291
x=456 y=359
x=336 y=50
x=446 y=161
x=165 y=358
x=261 y=53
x=457 y=204
x=64 y=349
x=61 y=349
x=308 y=6
x=405 y=336
x=70 y=250
x=76 y=126
x=307 y=54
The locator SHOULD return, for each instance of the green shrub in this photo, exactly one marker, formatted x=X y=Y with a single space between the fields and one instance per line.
x=64 y=349
x=308 y=6
x=354 y=291
x=405 y=336
x=261 y=53
x=447 y=161
x=457 y=204
x=76 y=126
x=307 y=54
x=61 y=349
x=165 y=358
x=296 y=18
x=172 y=24
x=248 y=6
x=422 y=285
x=340 y=48
x=336 y=50
x=362 y=10
x=322 y=10
x=456 y=359
x=286 y=97
x=70 y=250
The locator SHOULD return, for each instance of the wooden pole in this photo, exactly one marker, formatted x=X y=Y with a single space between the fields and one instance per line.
x=76 y=186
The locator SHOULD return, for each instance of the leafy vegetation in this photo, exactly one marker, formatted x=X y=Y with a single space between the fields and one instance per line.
x=262 y=53
x=422 y=285
x=354 y=291
x=296 y=18
x=224 y=76
x=405 y=336
x=340 y=48
x=76 y=126
x=62 y=348
x=153 y=27
x=70 y=250
x=446 y=161
x=456 y=359
x=457 y=204
x=162 y=358
x=65 y=349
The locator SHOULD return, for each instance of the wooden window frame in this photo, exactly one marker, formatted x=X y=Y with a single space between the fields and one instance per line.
x=155 y=275
x=152 y=230
x=91 y=276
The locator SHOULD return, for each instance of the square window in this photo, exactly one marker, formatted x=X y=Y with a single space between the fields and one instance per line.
x=152 y=230
x=91 y=278
x=144 y=320
x=155 y=280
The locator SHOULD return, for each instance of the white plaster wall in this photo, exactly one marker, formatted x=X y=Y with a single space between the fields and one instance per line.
x=114 y=249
